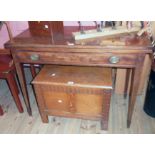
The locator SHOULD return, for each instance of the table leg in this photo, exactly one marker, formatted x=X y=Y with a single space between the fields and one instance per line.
x=128 y=70
x=21 y=76
x=33 y=71
x=114 y=74
x=135 y=80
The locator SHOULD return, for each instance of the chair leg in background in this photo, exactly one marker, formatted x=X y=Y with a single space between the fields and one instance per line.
x=13 y=86
x=1 y=111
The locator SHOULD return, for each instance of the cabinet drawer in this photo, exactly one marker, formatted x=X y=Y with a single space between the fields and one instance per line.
x=106 y=59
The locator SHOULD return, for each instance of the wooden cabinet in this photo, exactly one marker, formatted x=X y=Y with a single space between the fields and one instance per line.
x=79 y=92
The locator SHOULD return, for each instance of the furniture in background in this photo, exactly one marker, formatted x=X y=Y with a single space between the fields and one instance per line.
x=32 y=68
x=126 y=51
x=149 y=106
x=1 y=111
x=73 y=91
x=45 y=28
x=8 y=72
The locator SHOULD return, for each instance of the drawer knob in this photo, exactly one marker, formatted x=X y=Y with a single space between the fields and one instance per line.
x=114 y=59
x=34 y=57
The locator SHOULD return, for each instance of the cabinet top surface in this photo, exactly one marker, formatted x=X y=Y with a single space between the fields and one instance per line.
x=96 y=77
x=66 y=40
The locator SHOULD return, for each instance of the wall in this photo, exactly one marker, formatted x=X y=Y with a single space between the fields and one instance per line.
x=75 y=23
x=16 y=27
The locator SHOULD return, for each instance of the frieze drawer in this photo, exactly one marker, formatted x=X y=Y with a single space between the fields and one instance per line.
x=108 y=59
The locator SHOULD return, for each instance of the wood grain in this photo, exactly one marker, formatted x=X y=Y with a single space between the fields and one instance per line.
x=63 y=50
x=14 y=123
x=76 y=92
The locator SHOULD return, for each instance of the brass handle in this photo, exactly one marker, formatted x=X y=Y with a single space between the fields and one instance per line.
x=34 y=57
x=114 y=59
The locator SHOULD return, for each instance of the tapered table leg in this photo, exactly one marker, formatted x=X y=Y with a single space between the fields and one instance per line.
x=128 y=71
x=135 y=80
x=21 y=76
x=33 y=71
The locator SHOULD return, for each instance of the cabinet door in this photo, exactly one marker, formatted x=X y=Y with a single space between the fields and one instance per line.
x=57 y=101
x=89 y=104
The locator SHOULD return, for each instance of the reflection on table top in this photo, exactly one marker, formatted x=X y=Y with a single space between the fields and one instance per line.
x=65 y=39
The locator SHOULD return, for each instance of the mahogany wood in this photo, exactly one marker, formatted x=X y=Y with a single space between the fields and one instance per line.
x=79 y=92
x=45 y=28
x=20 y=71
x=33 y=70
x=135 y=80
x=62 y=49
x=5 y=51
x=128 y=71
x=8 y=72
x=40 y=28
